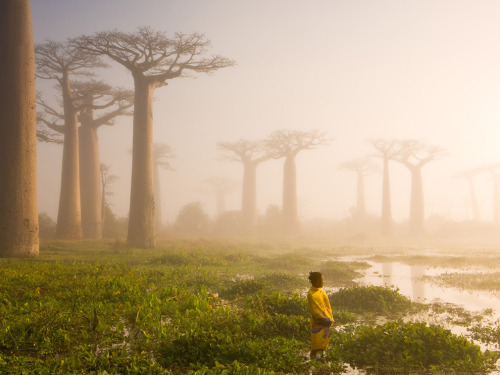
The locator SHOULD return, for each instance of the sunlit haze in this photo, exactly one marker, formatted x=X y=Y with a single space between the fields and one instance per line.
x=358 y=70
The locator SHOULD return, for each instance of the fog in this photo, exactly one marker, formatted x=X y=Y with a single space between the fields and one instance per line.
x=356 y=70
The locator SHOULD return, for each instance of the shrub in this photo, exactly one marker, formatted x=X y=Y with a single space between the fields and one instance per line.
x=404 y=348
x=371 y=299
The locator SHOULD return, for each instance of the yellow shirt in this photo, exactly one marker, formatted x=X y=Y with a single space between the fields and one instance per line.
x=319 y=305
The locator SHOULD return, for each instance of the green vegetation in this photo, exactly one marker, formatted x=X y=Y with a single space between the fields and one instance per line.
x=203 y=307
x=374 y=300
x=471 y=281
x=411 y=348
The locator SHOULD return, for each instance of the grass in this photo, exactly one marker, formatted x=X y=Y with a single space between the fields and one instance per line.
x=186 y=307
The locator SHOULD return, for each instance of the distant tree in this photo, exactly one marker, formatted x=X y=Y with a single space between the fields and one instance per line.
x=192 y=219
x=469 y=176
x=162 y=153
x=221 y=186
x=58 y=61
x=272 y=220
x=415 y=155
x=18 y=189
x=152 y=58
x=250 y=154
x=386 y=151
x=107 y=179
x=47 y=225
x=362 y=167
x=44 y=133
x=287 y=144
x=495 y=173
x=98 y=104
x=101 y=104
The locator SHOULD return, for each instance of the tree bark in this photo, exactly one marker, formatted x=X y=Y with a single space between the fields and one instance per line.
x=69 y=221
x=18 y=190
x=386 y=217
x=249 y=195
x=90 y=177
x=416 y=202
x=290 y=214
x=142 y=206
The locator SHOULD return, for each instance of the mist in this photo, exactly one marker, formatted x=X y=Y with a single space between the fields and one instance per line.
x=355 y=71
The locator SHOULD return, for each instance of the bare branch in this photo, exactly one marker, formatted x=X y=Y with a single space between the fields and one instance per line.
x=282 y=143
x=416 y=154
x=153 y=54
x=244 y=151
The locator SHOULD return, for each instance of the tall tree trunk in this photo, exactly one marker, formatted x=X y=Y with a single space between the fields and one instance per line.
x=386 y=217
x=475 y=208
x=157 y=192
x=142 y=205
x=18 y=194
x=360 y=197
x=416 y=202
x=69 y=221
x=90 y=178
x=290 y=214
x=249 y=195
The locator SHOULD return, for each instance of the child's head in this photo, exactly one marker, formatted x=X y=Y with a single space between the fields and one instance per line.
x=316 y=279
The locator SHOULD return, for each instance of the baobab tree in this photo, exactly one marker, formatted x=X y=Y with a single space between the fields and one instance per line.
x=469 y=176
x=162 y=153
x=100 y=105
x=106 y=180
x=494 y=170
x=58 y=61
x=250 y=154
x=44 y=133
x=386 y=150
x=415 y=155
x=287 y=144
x=18 y=193
x=152 y=58
x=362 y=168
x=220 y=185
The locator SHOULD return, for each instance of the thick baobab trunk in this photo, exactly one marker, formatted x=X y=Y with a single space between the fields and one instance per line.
x=360 y=197
x=249 y=195
x=157 y=192
x=416 y=202
x=18 y=194
x=142 y=205
x=90 y=178
x=386 y=217
x=69 y=221
x=290 y=214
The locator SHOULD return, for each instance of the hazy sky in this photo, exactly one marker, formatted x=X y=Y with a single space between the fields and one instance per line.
x=426 y=69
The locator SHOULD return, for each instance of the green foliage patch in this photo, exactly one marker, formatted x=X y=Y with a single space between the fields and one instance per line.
x=411 y=348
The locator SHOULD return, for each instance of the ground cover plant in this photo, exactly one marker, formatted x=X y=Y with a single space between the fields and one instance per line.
x=192 y=307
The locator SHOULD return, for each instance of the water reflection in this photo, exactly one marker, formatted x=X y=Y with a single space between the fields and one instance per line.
x=417 y=283
x=387 y=273
x=411 y=282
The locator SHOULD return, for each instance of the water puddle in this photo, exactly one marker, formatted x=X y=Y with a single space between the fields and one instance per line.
x=412 y=283
x=415 y=282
